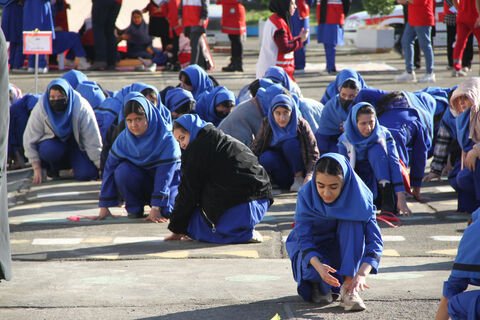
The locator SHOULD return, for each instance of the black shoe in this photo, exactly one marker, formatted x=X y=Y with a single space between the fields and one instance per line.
x=138 y=215
x=387 y=197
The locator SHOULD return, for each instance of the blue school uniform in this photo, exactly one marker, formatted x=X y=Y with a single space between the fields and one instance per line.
x=38 y=14
x=145 y=168
x=92 y=92
x=12 y=24
x=412 y=128
x=333 y=114
x=368 y=155
x=63 y=151
x=70 y=41
x=75 y=77
x=200 y=80
x=206 y=103
x=279 y=75
x=177 y=97
x=106 y=113
x=344 y=75
x=343 y=234
x=465 y=271
x=284 y=157
x=19 y=113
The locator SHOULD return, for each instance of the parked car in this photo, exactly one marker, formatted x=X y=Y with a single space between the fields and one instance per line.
x=394 y=20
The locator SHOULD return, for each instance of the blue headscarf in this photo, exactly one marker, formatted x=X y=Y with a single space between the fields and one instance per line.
x=155 y=147
x=332 y=116
x=279 y=75
x=199 y=79
x=177 y=97
x=266 y=95
x=449 y=123
x=61 y=122
x=462 y=122
x=31 y=100
x=355 y=202
x=110 y=106
x=192 y=123
x=440 y=95
x=92 y=92
x=425 y=106
x=344 y=75
x=207 y=102
x=265 y=83
x=74 y=77
x=290 y=131
x=467 y=264
x=353 y=135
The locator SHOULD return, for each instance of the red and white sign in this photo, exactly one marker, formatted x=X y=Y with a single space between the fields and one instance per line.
x=39 y=42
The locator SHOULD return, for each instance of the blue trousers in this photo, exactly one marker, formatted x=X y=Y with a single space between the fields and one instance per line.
x=234 y=226
x=345 y=257
x=377 y=163
x=283 y=161
x=422 y=33
x=42 y=61
x=136 y=185
x=68 y=41
x=465 y=306
x=19 y=114
x=326 y=143
x=16 y=56
x=297 y=24
x=57 y=155
x=467 y=185
x=330 y=52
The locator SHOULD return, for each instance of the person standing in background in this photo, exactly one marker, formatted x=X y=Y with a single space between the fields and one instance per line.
x=12 y=23
x=331 y=17
x=175 y=32
x=193 y=17
x=158 y=24
x=104 y=15
x=234 y=24
x=300 y=20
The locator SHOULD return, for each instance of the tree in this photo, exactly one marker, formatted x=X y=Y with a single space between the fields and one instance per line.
x=379 y=7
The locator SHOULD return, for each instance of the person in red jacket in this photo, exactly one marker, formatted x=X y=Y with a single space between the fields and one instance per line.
x=193 y=17
x=278 y=44
x=234 y=24
x=158 y=23
x=331 y=17
x=175 y=31
x=467 y=23
x=421 y=19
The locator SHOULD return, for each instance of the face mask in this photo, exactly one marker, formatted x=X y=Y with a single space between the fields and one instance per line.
x=345 y=103
x=59 y=105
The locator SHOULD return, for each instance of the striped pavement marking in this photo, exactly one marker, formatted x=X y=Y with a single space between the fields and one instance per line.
x=240 y=253
x=56 y=241
x=19 y=241
x=106 y=256
x=393 y=238
x=182 y=254
x=390 y=253
x=448 y=252
x=57 y=194
x=98 y=240
x=445 y=189
x=446 y=238
x=122 y=240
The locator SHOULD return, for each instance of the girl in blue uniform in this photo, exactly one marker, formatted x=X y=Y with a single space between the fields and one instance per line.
x=91 y=91
x=179 y=101
x=12 y=24
x=335 y=86
x=143 y=164
x=336 y=241
x=279 y=75
x=465 y=107
x=369 y=146
x=224 y=192
x=194 y=79
x=285 y=145
x=215 y=105
x=74 y=77
x=456 y=303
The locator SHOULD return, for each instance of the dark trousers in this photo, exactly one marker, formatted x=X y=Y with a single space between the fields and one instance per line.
x=236 y=46
x=467 y=53
x=104 y=15
x=194 y=34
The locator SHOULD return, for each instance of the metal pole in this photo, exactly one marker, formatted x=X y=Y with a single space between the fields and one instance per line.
x=36 y=73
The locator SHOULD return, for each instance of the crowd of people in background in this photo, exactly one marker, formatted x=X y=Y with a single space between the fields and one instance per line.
x=205 y=159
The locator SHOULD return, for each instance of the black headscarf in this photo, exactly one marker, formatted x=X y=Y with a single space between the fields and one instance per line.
x=281 y=7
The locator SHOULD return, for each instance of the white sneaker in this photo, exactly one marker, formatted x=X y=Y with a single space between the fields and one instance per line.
x=466 y=69
x=429 y=77
x=256 y=237
x=406 y=77
x=351 y=302
x=83 y=64
x=297 y=184
x=152 y=68
x=317 y=297
x=458 y=73
x=69 y=63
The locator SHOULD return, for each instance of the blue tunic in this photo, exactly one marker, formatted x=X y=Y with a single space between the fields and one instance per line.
x=38 y=14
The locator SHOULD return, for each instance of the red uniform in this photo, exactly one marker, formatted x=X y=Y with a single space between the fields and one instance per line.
x=421 y=13
x=191 y=13
x=154 y=12
x=335 y=14
x=172 y=17
x=284 y=60
x=233 y=17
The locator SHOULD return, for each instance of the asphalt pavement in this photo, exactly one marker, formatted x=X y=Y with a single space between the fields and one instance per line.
x=67 y=266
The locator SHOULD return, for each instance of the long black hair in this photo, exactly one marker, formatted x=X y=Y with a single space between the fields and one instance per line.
x=281 y=7
x=329 y=166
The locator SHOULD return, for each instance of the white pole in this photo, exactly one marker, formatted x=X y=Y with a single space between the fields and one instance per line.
x=36 y=73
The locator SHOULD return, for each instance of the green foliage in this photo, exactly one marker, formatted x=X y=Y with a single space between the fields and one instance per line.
x=380 y=7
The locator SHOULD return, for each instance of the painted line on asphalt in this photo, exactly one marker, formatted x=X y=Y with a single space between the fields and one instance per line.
x=390 y=253
x=448 y=252
x=122 y=240
x=393 y=238
x=106 y=256
x=182 y=254
x=240 y=253
x=57 y=194
x=284 y=239
x=98 y=240
x=19 y=241
x=446 y=238
x=55 y=241
x=445 y=189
